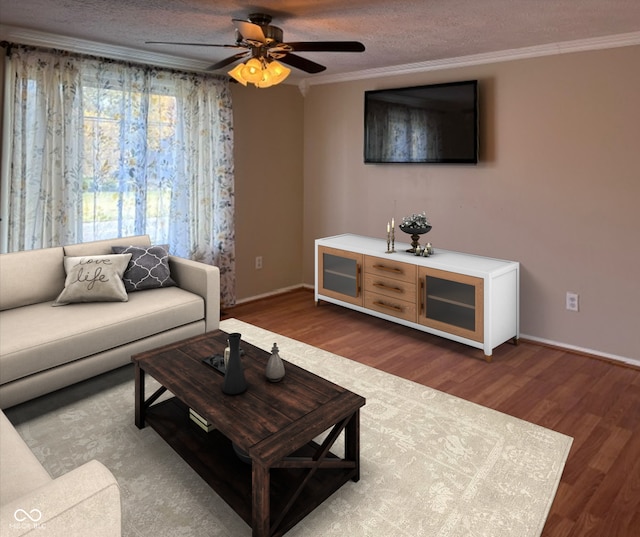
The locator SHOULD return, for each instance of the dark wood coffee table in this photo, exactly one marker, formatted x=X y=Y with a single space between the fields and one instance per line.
x=289 y=474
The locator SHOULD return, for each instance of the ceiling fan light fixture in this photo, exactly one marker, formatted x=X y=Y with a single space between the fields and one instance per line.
x=265 y=80
x=236 y=74
x=278 y=71
x=252 y=71
x=273 y=74
x=261 y=74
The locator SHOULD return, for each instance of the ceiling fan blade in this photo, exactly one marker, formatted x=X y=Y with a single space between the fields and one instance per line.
x=191 y=44
x=250 y=31
x=302 y=63
x=327 y=46
x=227 y=61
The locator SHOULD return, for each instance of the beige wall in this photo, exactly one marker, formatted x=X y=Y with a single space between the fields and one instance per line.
x=268 y=128
x=558 y=188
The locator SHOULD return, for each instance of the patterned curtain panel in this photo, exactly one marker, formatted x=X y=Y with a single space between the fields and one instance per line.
x=42 y=184
x=102 y=149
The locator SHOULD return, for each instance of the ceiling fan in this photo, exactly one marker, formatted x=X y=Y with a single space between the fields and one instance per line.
x=264 y=43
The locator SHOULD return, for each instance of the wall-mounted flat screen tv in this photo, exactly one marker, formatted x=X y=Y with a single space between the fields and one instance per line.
x=430 y=124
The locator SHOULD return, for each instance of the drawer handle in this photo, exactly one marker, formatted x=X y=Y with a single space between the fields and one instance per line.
x=388 y=306
x=388 y=287
x=388 y=269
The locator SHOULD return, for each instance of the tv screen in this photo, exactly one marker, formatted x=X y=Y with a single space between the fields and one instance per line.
x=430 y=124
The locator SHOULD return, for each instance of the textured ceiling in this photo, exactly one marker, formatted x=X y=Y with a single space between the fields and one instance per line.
x=395 y=33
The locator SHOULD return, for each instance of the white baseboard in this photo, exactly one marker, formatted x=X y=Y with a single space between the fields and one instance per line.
x=272 y=293
x=581 y=350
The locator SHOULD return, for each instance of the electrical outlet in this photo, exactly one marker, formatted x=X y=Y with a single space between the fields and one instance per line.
x=258 y=262
x=572 y=301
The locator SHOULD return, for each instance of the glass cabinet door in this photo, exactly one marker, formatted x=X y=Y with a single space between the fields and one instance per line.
x=339 y=274
x=452 y=302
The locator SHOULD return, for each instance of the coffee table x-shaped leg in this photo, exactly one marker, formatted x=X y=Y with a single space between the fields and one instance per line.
x=321 y=459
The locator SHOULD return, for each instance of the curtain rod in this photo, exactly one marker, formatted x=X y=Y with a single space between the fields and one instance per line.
x=8 y=46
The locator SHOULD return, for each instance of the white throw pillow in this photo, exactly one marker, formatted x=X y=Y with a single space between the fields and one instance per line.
x=94 y=278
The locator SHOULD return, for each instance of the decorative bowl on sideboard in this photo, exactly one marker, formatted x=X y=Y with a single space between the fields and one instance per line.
x=415 y=232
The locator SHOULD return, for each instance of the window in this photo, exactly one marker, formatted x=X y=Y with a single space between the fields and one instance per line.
x=98 y=149
x=129 y=163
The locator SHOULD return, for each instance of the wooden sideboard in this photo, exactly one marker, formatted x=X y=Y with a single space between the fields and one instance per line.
x=467 y=298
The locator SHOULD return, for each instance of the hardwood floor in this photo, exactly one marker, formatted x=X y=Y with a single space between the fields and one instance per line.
x=594 y=401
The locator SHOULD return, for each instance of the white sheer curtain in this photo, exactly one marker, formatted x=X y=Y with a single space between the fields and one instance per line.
x=99 y=148
x=41 y=181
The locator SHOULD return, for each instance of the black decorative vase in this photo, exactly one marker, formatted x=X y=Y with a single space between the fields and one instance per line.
x=234 y=381
x=415 y=233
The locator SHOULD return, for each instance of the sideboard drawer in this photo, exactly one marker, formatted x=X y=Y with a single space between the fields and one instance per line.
x=389 y=268
x=402 y=309
x=396 y=289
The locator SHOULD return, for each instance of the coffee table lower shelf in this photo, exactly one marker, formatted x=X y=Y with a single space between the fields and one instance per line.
x=213 y=458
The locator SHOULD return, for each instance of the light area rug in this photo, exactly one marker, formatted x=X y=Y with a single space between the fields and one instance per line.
x=431 y=464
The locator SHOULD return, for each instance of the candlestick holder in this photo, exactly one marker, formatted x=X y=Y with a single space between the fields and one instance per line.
x=393 y=240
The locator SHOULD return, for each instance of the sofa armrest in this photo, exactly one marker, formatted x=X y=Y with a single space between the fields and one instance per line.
x=85 y=501
x=203 y=280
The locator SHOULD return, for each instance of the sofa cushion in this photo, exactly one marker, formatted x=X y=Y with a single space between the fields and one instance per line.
x=35 y=338
x=104 y=247
x=21 y=471
x=94 y=278
x=147 y=269
x=30 y=277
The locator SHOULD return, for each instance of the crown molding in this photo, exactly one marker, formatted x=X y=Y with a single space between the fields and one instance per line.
x=582 y=45
x=43 y=39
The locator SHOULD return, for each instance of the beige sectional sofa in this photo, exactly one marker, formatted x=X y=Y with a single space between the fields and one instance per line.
x=83 y=502
x=45 y=348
